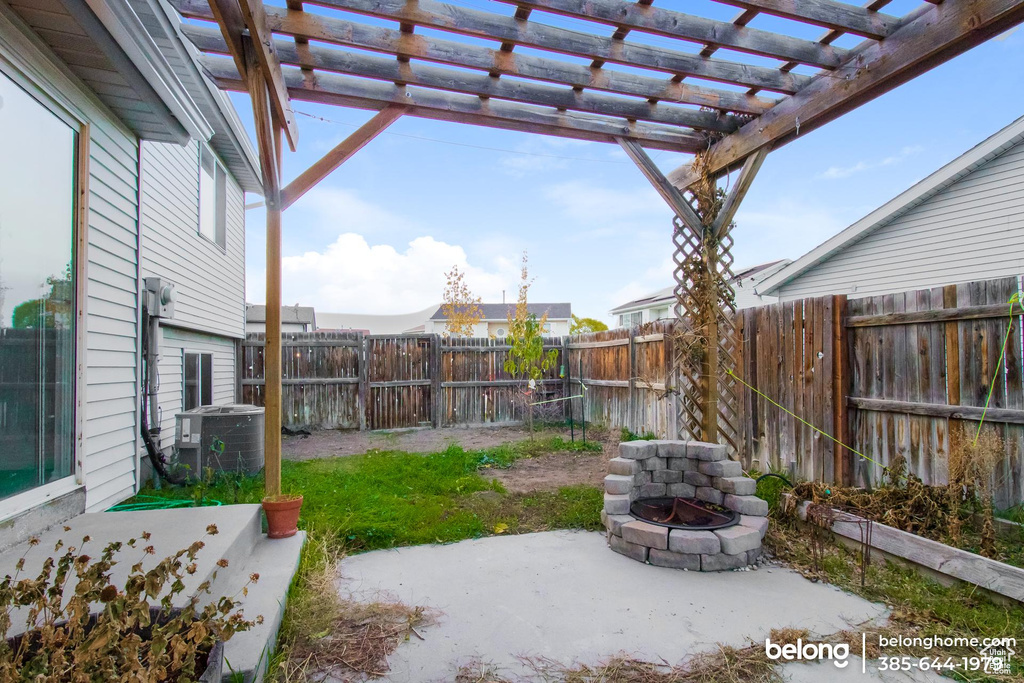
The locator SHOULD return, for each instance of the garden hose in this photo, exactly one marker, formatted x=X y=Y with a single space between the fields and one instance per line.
x=773 y=474
x=157 y=503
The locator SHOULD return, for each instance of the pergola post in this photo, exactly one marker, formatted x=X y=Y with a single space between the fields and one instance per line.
x=704 y=344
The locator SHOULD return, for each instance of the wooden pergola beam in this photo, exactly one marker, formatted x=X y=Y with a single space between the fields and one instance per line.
x=835 y=15
x=479 y=84
x=341 y=153
x=929 y=37
x=429 y=48
x=672 y=196
x=671 y=24
x=363 y=94
x=736 y=195
x=262 y=38
x=480 y=24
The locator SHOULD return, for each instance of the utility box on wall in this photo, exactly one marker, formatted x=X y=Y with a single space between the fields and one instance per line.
x=226 y=438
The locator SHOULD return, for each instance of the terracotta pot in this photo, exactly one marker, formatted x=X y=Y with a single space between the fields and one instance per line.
x=282 y=516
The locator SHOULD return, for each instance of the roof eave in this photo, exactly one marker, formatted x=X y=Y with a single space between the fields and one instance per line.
x=128 y=32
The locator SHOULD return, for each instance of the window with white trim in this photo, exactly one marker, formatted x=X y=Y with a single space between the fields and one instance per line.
x=212 y=200
x=631 y=319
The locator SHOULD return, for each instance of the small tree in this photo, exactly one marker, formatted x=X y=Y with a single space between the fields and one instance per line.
x=459 y=307
x=526 y=360
x=585 y=325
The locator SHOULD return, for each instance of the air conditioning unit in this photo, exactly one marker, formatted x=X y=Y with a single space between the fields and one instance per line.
x=227 y=438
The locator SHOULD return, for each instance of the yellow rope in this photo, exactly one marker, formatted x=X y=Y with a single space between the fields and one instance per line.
x=789 y=412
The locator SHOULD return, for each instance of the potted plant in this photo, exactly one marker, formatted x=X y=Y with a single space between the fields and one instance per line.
x=81 y=626
x=282 y=512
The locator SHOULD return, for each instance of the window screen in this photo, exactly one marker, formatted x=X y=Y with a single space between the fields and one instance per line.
x=198 y=380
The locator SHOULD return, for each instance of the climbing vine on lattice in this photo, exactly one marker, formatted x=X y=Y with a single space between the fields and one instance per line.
x=704 y=296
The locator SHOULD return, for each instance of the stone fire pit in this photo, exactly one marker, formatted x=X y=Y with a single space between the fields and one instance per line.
x=698 y=473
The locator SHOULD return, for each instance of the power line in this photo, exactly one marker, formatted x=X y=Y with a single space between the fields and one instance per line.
x=466 y=144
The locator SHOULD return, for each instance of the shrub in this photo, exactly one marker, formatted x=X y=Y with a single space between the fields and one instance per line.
x=136 y=634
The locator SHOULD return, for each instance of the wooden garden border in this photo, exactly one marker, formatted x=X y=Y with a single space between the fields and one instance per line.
x=931 y=558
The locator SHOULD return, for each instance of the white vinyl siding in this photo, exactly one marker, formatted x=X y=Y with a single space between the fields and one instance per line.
x=971 y=230
x=175 y=344
x=209 y=280
x=111 y=273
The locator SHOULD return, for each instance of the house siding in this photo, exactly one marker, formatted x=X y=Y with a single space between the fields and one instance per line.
x=109 y=444
x=209 y=281
x=176 y=342
x=971 y=230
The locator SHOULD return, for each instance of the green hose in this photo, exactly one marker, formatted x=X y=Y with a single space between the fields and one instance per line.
x=158 y=503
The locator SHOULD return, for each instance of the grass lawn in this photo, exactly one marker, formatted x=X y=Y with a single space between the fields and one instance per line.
x=385 y=499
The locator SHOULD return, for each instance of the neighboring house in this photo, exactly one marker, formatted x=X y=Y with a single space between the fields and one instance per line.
x=495 y=320
x=964 y=222
x=120 y=162
x=293 y=318
x=402 y=323
x=658 y=305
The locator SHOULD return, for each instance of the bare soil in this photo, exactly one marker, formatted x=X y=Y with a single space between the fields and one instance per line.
x=544 y=472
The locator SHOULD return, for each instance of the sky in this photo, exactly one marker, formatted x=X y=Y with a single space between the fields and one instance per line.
x=378 y=234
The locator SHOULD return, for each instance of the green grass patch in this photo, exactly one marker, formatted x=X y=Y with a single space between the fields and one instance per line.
x=627 y=435
x=384 y=499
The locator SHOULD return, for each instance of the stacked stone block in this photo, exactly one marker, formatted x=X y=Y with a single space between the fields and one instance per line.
x=651 y=469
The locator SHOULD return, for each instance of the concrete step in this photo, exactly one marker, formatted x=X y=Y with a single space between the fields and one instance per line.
x=247 y=654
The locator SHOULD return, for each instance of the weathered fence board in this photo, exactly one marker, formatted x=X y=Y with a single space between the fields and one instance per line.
x=321 y=377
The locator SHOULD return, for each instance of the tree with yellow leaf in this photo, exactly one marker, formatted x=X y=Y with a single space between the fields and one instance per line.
x=526 y=360
x=459 y=307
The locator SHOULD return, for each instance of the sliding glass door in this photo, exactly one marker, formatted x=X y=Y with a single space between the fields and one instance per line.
x=37 y=292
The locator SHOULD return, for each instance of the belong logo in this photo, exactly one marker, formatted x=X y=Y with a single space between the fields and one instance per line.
x=808 y=652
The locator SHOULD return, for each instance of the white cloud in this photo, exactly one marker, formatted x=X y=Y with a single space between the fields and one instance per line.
x=338 y=210
x=353 y=276
x=588 y=203
x=839 y=172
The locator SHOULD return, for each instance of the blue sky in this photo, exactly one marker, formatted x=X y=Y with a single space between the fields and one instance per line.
x=378 y=234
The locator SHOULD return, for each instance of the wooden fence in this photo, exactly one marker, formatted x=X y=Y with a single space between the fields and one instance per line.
x=348 y=380
x=889 y=376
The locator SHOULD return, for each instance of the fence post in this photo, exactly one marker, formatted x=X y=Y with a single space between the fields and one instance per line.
x=952 y=349
x=363 y=354
x=842 y=468
x=435 y=377
x=566 y=387
x=632 y=383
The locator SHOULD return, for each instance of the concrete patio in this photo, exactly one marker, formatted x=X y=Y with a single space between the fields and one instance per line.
x=565 y=596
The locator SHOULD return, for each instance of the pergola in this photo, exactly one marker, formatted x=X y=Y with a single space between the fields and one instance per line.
x=724 y=91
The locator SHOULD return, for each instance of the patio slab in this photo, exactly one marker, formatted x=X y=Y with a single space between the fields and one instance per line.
x=565 y=596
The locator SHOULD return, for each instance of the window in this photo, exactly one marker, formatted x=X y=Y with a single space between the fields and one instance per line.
x=631 y=319
x=37 y=291
x=659 y=313
x=212 y=200
x=198 y=389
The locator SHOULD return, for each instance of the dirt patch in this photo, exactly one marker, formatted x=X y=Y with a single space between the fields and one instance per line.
x=552 y=471
x=335 y=442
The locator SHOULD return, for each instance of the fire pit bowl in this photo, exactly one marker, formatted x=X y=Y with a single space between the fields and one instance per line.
x=683 y=505
x=683 y=513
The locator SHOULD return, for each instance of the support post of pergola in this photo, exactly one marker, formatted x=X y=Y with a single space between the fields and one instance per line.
x=704 y=346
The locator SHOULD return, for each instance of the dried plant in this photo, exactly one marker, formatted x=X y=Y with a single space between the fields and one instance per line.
x=138 y=635
x=461 y=310
x=972 y=466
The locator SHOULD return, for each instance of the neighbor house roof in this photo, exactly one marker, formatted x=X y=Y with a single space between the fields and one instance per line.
x=667 y=294
x=901 y=204
x=376 y=324
x=295 y=315
x=561 y=311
